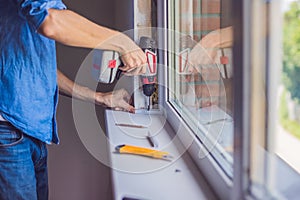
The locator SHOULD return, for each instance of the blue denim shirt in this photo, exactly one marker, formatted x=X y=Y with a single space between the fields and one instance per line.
x=28 y=85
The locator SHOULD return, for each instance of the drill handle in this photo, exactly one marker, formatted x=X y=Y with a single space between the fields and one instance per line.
x=151 y=63
x=119 y=73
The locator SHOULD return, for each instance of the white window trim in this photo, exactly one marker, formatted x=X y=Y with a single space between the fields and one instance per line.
x=214 y=174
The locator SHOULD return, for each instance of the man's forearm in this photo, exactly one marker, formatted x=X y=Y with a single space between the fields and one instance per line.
x=117 y=99
x=221 y=38
x=71 y=29
x=68 y=88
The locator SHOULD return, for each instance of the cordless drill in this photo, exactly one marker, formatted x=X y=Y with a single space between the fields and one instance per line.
x=148 y=45
x=106 y=66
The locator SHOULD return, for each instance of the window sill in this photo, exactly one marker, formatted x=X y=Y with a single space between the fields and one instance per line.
x=147 y=178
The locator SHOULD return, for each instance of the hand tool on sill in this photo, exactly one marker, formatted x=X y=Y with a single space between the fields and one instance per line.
x=130 y=125
x=142 y=151
x=152 y=140
x=218 y=120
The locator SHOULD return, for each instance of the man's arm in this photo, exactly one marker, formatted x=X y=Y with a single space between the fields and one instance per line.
x=70 y=89
x=204 y=52
x=220 y=38
x=69 y=28
x=118 y=99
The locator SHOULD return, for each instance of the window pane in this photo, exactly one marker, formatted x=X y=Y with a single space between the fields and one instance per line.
x=289 y=89
x=287 y=139
x=200 y=76
x=275 y=163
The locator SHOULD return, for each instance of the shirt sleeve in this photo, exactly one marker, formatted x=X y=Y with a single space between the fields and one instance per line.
x=35 y=11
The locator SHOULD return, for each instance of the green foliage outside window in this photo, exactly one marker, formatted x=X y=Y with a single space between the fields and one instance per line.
x=290 y=126
x=291 y=48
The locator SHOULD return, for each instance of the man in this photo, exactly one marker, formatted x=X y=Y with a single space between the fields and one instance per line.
x=28 y=85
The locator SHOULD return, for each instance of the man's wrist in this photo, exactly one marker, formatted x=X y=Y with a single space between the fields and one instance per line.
x=99 y=98
x=123 y=44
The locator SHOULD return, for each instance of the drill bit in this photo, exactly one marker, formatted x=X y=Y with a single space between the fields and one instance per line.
x=148 y=108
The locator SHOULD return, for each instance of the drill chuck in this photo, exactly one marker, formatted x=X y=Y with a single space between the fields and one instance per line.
x=147 y=43
x=148 y=89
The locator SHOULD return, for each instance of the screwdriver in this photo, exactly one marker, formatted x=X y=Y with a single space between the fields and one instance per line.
x=153 y=142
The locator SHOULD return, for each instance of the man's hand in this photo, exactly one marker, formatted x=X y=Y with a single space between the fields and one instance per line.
x=205 y=51
x=134 y=63
x=201 y=56
x=118 y=100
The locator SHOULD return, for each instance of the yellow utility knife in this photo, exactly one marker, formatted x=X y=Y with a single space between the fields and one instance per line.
x=128 y=149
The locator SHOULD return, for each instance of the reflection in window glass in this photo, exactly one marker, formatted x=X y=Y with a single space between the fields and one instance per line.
x=200 y=79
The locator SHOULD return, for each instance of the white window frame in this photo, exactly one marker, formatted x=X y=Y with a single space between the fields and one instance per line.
x=240 y=187
x=220 y=182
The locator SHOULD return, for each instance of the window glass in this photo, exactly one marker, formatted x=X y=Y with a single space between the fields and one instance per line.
x=275 y=123
x=201 y=73
x=289 y=88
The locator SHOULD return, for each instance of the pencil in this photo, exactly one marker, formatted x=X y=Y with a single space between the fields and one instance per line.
x=130 y=125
